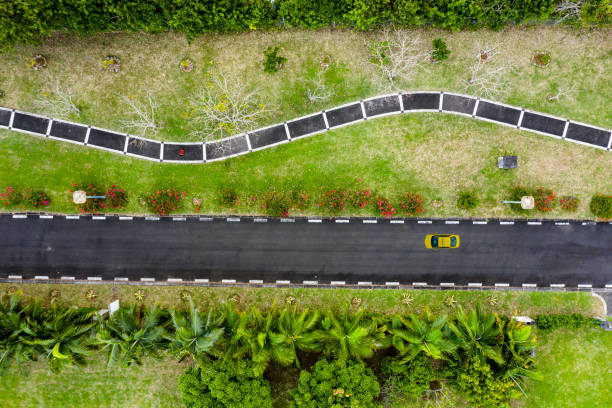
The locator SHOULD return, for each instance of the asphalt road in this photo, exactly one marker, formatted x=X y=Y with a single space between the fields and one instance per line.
x=328 y=251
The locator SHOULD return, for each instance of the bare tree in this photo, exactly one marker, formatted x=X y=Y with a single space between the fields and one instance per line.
x=143 y=114
x=398 y=54
x=224 y=107
x=566 y=91
x=318 y=91
x=568 y=10
x=57 y=102
x=488 y=74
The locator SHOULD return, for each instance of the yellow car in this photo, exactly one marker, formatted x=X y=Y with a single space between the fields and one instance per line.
x=437 y=241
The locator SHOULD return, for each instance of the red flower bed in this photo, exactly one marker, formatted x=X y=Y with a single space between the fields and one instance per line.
x=116 y=197
x=37 y=199
x=276 y=204
x=412 y=203
x=569 y=203
x=384 y=207
x=164 y=202
x=10 y=197
x=229 y=198
x=545 y=199
x=334 y=201
x=360 y=198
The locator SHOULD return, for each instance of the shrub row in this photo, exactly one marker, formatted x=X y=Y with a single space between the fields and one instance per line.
x=32 y=20
x=570 y=321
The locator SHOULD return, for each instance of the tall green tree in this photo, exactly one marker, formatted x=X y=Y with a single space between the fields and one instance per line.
x=518 y=344
x=420 y=334
x=350 y=335
x=129 y=335
x=195 y=336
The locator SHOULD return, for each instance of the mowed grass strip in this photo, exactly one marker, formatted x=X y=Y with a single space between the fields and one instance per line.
x=435 y=154
x=387 y=301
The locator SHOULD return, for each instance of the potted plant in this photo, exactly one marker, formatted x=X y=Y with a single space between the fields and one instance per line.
x=38 y=62
x=186 y=65
x=111 y=63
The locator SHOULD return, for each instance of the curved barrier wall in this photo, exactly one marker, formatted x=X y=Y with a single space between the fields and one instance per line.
x=204 y=152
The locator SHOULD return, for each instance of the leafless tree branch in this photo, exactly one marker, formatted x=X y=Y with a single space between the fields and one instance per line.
x=57 y=102
x=143 y=114
x=318 y=91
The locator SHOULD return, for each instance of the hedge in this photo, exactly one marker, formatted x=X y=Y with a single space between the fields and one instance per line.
x=29 y=21
x=570 y=321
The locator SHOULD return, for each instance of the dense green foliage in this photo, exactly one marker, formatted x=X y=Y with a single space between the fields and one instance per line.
x=440 y=51
x=31 y=20
x=485 y=356
x=333 y=384
x=570 y=321
x=601 y=206
x=224 y=384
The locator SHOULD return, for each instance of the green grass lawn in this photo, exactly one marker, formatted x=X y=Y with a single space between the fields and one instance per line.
x=433 y=154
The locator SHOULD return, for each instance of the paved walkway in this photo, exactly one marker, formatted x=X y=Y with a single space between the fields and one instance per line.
x=203 y=152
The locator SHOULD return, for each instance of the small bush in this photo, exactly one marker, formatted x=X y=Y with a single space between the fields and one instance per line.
x=299 y=199
x=165 y=201
x=272 y=61
x=228 y=198
x=515 y=195
x=36 y=199
x=10 y=197
x=359 y=198
x=276 y=204
x=601 y=206
x=467 y=200
x=330 y=384
x=384 y=207
x=545 y=199
x=334 y=201
x=91 y=205
x=569 y=203
x=440 y=51
x=412 y=203
x=116 y=197
x=409 y=379
x=570 y=321
x=222 y=383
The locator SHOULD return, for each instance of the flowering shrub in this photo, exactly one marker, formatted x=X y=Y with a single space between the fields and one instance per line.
x=412 y=203
x=276 y=204
x=334 y=201
x=299 y=200
x=229 y=198
x=36 y=199
x=545 y=199
x=467 y=200
x=569 y=203
x=10 y=197
x=384 y=207
x=164 y=202
x=359 y=198
x=116 y=197
x=91 y=205
x=601 y=206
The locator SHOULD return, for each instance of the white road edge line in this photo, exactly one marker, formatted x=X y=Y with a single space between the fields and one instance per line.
x=502 y=285
x=255 y=281
x=529 y=285
x=179 y=219
x=475 y=285
x=447 y=284
x=315 y=220
x=205 y=219
x=562 y=223
x=118 y=279
x=567 y=122
x=392 y=283
x=520 y=121
x=557 y=285
x=283 y=282
x=585 y=285
x=41 y=277
x=260 y=220
x=337 y=283
x=342 y=221
x=287 y=220
x=175 y=279
x=506 y=223
x=310 y=282
x=14 y=277
x=98 y=217
x=396 y=221
x=370 y=221
x=424 y=222
x=94 y=278
x=419 y=283
x=228 y=280
x=152 y=218
x=479 y=222
x=451 y=222
x=201 y=280
x=126 y=218
x=45 y=217
x=364 y=283
x=71 y=278
x=363 y=110
x=233 y=219
x=147 y=279
x=20 y=216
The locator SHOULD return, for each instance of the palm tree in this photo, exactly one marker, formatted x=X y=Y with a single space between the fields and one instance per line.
x=129 y=335
x=14 y=332
x=64 y=334
x=517 y=348
x=478 y=334
x=423 y=334
x=194 y=336
x=349 y=336
x=298 y=329
x=266 y=343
